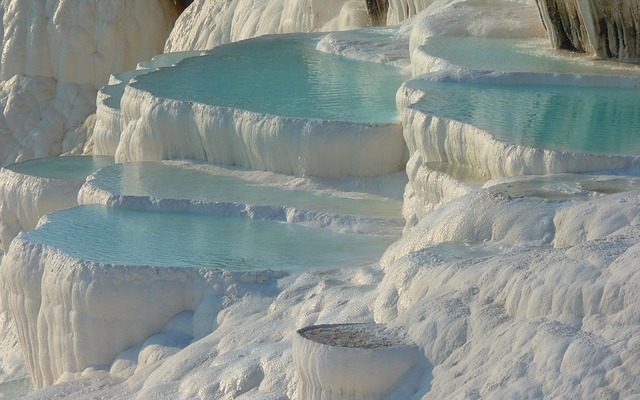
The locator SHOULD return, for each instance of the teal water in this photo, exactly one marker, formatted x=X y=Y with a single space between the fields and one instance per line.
x=566 y=118
x=116 y=91
x=66 y=168
x=127 y=237
x=517 y=55
x=176 y=182
x=282 y=75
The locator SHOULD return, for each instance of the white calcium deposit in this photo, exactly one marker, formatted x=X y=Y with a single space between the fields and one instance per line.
x=206 y=23
x=56 y=54
x=41 y=117
x=82 y=42
x=520 y=287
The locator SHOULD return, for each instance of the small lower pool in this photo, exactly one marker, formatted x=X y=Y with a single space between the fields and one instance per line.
x=282 y=75
x=64 y=168
x=598 y=120
x=166 y=181
x=126 y=237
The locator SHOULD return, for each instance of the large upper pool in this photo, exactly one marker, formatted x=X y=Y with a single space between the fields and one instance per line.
x=282 y=75
x=66 y=168
x=597 y=120
x=165 y=181
x=126 y=237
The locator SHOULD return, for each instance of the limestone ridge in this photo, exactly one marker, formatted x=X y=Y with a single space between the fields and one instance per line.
x=377 y=10
x=606 y=29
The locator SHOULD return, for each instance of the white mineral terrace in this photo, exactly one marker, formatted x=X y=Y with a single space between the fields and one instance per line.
x=250 y=243
x=306 y=112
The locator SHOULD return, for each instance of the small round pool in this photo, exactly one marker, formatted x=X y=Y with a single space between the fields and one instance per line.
x=126 y=237
x=282 y=75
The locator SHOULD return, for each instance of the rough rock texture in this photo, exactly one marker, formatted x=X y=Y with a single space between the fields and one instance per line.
x=55 y=54
x=606 y=29
x=80 y=41
x=208 y=23
x=39 y=117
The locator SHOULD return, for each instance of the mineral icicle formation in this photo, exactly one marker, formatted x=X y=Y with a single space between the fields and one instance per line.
x=606 y=29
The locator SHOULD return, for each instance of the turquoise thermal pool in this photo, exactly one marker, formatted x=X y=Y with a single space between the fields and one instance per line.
x=596 y=120
x=126 y=237
x=282 y=75
x=151 y=179
x=517 y=55
x=114 y=91
x=65 y=168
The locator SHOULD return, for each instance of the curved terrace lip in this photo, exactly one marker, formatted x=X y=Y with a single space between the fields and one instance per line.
x=137 y=83
x=393 y=341
x=101 y=162
x=276 y=273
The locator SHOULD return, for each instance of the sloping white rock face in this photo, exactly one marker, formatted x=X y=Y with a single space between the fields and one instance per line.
x=40 y=117
x=55 y=54
x=525 y=321
x=79 y=41
x=208 y=23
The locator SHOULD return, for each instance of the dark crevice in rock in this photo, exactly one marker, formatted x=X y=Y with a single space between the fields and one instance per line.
x=604 y=28
x=182 y=4
x=377 y=10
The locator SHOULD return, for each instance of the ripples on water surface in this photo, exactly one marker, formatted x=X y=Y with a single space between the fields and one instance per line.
x=283 y=75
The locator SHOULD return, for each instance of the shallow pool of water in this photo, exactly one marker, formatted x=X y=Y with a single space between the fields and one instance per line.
x=66 y=168
x=596 y=120
x=517 y=55
x=282 y=75
x=127 y=237
x=164 y=181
